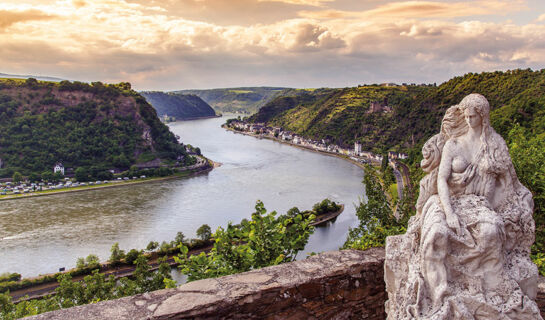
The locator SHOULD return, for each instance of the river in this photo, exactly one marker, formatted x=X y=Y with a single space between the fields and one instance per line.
x=40 y=235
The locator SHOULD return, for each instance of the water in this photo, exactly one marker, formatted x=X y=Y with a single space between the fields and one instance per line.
x=40 y=235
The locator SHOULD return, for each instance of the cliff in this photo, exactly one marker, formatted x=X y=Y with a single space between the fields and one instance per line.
x=182 y=107
x=81 y=125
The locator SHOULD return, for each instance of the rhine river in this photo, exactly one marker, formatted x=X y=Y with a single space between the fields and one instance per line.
x=42 y=234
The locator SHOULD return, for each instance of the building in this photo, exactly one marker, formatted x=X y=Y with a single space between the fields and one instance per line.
x=357 y=147
x=59 y=168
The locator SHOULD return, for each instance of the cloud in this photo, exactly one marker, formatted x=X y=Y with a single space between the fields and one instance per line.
x=158 y=45
x=422 y=9
x=8 y=18
x=317 y=3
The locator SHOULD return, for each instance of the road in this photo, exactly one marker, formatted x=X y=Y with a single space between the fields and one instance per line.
x=399 y=181
x=39 y=291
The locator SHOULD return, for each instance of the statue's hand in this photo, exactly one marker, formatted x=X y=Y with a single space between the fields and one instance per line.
x=453 y=222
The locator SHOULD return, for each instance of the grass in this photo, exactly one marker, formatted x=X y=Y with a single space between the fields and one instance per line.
x=240 y=91
x=393 y=192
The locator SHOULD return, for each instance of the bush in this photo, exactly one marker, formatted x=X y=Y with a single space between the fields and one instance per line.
x=10 y=277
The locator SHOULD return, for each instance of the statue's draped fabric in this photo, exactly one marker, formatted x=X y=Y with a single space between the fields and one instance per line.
x=484 y=271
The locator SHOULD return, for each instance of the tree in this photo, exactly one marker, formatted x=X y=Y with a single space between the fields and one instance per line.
x=17 y=177
x=116 y=254
x=376 y=216
x=47 y=176
x=180 y=238
x=131 y=256
x=263 y=241
x=204 y=232
x=81 y=174
x=58 y=176
x=152 y=245
x=33 y=177
x=92 y=261
x=80 y=263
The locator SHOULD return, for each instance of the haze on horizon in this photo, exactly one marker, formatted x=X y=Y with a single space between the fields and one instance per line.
x=183 y=44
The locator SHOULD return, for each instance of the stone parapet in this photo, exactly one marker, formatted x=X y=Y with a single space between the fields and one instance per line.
x=345 y=284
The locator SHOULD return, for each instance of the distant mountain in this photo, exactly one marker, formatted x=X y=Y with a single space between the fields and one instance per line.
x=96 y=126
x=182 y=107
x=243 y=99
x=18 y=76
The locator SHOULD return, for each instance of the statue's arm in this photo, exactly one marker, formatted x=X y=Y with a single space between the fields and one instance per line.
x=445 y=168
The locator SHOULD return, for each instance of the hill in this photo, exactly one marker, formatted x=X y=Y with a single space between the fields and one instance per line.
x=240 y=100
x=94 y=126
x=181 y=107
x=18 y=76
x=380 y=117
x=402 y=117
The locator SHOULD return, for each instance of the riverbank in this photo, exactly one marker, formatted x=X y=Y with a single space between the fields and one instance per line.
x=42 y=289
x=332 y=154
x=207 y=166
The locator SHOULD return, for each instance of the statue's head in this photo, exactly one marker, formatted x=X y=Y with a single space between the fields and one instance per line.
x=473 y=110
x=475 y=107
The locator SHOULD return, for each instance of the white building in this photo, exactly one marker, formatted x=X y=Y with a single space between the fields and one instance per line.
x=59 y=168
x=357 y=147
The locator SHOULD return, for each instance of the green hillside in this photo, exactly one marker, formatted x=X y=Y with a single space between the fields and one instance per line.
x=241 y=100
x=343 y=114
x=94 y=125
x=181 y=107
x=340 y=115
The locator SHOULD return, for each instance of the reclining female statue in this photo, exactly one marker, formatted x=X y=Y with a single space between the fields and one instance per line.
x=466 y=252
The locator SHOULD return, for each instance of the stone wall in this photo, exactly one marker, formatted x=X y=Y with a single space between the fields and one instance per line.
x=334 y=285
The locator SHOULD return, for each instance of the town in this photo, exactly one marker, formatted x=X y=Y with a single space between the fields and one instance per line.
x=356 y=154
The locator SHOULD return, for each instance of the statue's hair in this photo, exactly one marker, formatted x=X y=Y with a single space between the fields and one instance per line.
x=453 y=124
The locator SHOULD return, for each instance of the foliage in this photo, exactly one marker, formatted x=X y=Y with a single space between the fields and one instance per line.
x=181 y=107
x=527 y=149
x=132 y=255
x=94 y=287
x=116 y=254
x=17 y=177
x=152 y=245
x=376 y=215
x=93 y=126
x=10 y=277
x=262 y=241
x=204 y=232
x=179 y=239
x=323 y=207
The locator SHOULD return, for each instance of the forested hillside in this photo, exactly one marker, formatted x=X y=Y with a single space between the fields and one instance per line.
x=181 y=107
x=242 y=100
x=343 y=115
x=94 y=125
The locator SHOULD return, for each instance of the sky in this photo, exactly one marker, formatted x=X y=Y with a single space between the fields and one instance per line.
x=199 y=44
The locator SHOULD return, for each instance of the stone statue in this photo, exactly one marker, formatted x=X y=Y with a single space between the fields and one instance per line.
x=466 y=253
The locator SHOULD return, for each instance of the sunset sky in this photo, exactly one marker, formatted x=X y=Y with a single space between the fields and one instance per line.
x=183 y=44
